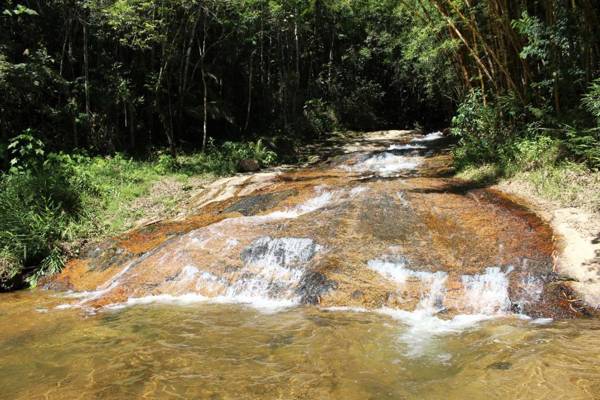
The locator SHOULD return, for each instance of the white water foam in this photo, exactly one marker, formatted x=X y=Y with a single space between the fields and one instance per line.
x=430 y=137
x=487 y=293
x=261 y=304
x=422 y=327
x=268 y=279
x=542 y=321
x=273 y=269
x=531 y=291
x=434 y=283
x=408 y=146
x=385 y=164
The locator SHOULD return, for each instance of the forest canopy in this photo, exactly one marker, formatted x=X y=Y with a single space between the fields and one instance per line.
x=129 y=75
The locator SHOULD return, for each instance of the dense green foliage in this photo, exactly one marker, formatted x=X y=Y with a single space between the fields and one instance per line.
x=85 y=81
x=130 y=75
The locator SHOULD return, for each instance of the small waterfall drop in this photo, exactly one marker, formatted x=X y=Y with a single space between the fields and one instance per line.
x=432 y=284
x=487 y=293
x=272 y=269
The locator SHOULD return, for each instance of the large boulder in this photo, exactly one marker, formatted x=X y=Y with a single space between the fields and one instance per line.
x=248 y=165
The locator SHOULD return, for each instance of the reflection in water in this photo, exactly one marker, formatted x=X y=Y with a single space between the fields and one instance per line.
x=231 y=352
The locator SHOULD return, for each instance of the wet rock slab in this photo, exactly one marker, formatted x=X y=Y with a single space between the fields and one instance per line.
x=309 y=236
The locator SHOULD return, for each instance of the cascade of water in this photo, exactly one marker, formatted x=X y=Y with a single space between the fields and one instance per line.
x=487 y=293
x=386 y=164
x=273 y=268
x=422 y=323
x=433 y=284
x=432 y=301
x=530 y=291
x=203 y=237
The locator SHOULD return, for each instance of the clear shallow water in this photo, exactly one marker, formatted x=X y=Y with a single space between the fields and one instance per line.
x=212 y=351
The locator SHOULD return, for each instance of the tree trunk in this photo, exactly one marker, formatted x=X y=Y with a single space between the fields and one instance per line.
x=250 y=77
x=202 y=51
x=204 y=105
x=86 y=69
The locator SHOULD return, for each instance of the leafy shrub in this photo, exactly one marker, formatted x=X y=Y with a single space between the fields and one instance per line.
x=10 y=267
x=584 y=145
x=320 y=116
x=481 y=131
x=26 y=151
x=591 y=100
x=47 y=199
x=40 y=200
x=166 y=163
x=225 y=159
x=532 y=153
x=36 y=209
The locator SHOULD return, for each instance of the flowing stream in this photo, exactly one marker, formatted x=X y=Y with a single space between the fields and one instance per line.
x=370 y=275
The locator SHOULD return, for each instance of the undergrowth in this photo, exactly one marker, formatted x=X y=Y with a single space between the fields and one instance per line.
x=561 y=162
x=48 y=200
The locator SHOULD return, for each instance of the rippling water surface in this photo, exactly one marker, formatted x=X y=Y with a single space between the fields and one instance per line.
x=212 y=351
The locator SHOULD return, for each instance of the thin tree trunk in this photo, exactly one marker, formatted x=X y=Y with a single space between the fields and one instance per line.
x=202 y=51
x=131 y=126
x=204 y=105
x=459 y=34
x=488 y=51
x=64 y=47
x=250 y=77
x=86 y=69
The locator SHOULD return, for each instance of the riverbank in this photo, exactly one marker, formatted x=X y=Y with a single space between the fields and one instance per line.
x=577 y=232
x=568 y=198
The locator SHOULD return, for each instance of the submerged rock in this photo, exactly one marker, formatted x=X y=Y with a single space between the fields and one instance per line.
x=500 y=365
x=252 y=205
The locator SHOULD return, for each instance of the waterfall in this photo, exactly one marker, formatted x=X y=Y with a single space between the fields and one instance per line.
x=484 y=296
x=433 y=284
x=487 y=293
x=272 y=269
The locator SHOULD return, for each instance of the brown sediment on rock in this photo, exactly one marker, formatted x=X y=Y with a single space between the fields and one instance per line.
x=433 y=225
x=576 y=245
